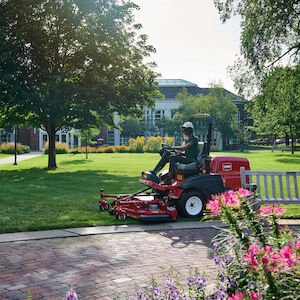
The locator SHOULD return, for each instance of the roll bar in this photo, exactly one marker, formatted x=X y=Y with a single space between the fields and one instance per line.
x=208 y=137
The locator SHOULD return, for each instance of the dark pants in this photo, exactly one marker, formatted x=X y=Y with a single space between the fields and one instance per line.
x=174 y=159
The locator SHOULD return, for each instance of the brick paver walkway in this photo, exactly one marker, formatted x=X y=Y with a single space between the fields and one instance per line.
x=101 y=266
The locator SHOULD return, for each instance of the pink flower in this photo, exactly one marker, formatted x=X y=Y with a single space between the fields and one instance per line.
x=275 y=257
x=268 y=249
x=264 y=260
x=287 y=255
x=253 y=248
x=251 y=259
x=280 y=211
x=215 y=206
x=297 y=244
x=244 y=192
x=230 y=198
x=267 y=210
x=254 y=296
x=238 y=296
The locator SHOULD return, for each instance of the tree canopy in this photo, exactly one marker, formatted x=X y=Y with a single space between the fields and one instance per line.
x=72 y=63
x=276 y=109
x=217 y=103
x=270 y=35
x=270 y=28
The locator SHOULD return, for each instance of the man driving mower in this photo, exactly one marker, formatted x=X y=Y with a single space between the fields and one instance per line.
x=183 y=154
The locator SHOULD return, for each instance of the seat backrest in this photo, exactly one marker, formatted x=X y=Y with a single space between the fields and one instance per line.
x=194 y=165
x=202 y=149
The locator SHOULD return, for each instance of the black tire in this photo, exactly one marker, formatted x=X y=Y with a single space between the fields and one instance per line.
x=122 y=216
x=191 y=204
x=104 y=207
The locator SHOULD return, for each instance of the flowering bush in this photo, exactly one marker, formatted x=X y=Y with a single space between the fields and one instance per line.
x=137 y=145
x=256 y=258
x=153 y=144
x=60 y=148
x=9 y=148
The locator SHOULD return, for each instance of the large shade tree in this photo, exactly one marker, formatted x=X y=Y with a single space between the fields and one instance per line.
x=71 y=63
x=277 y=107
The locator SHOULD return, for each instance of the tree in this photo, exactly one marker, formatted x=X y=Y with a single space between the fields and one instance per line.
x=69 y=62
x=217 y=103
x=270 y=34
x=270 y=28
x=277 y=107
x=86 y=135
x=131 y=128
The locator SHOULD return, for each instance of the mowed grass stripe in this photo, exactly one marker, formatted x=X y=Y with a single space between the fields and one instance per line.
x=33 y=198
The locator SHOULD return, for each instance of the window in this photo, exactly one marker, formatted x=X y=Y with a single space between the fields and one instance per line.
x=110 y=137
x=159 y=114
x=63 y=138
x=75 y=137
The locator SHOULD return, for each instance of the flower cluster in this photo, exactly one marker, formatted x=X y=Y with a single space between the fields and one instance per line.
x=227 y=199
x=271 y=210
x=274 y=260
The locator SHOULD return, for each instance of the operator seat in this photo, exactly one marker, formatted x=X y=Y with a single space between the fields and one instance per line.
x=196 y=166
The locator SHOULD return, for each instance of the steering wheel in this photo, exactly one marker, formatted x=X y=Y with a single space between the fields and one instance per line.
x=167 y=147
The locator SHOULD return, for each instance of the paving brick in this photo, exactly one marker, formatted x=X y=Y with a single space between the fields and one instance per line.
x=101 y=266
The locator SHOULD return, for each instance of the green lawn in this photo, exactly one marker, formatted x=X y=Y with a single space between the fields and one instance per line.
x=33 y=198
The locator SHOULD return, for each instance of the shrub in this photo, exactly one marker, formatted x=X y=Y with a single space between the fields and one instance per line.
x=106 y=149
x=153 y=144
x=121 y=149
x=60 y=148
x=137 y=145
x=169 y=141
x=9 y=148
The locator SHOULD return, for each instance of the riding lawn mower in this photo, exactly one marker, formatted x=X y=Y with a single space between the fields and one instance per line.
x=188 y=192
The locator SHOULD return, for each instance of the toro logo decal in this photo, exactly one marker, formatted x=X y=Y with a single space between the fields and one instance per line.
x=227 y=167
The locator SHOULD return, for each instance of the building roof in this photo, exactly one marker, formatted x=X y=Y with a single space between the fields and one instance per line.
x=175 y=83
x=171 y=87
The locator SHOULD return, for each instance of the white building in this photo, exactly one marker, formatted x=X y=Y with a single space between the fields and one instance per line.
x=169 y=104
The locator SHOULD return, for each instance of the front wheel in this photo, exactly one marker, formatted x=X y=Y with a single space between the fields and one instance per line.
x=191 y=204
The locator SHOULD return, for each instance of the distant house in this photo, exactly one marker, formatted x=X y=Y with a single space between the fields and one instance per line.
x=167 y=106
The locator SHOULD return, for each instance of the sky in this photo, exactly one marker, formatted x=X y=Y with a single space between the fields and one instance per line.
x=190 y=40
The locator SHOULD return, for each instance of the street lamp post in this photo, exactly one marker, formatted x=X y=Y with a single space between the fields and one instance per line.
x=15 y=131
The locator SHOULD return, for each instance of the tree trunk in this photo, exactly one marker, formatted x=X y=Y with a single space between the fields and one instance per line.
x=51 y=147
x=292 y=137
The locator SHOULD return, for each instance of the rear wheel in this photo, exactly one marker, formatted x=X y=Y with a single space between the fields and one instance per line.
x=191 y=204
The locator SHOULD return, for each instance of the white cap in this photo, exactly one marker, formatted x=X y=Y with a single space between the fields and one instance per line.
x=188 y=125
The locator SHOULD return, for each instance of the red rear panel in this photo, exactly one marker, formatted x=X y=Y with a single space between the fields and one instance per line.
x=229 y=169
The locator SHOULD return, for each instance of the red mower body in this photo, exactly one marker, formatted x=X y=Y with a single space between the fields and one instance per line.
x=229 y=169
